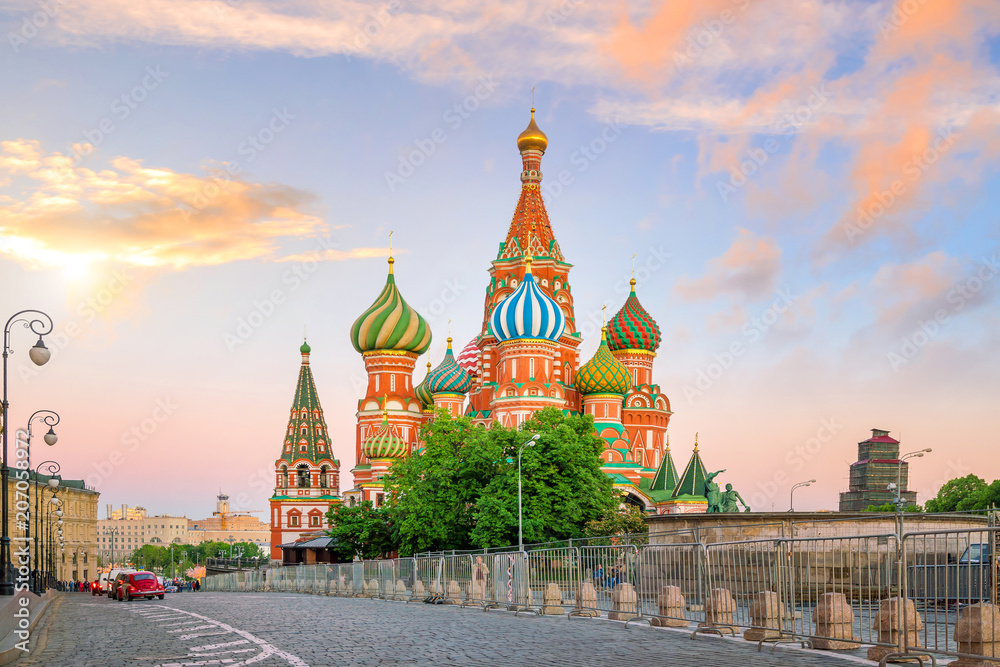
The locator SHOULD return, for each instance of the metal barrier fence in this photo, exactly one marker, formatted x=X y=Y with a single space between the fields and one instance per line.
x=921 y=593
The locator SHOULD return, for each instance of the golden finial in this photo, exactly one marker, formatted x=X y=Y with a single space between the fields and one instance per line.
x=604 y=318
x=532 y=98
x=527 y=255
x=391 y=260
x=428 y=368
x=385 y=411
x=632 y=282
x=532 y=138
x=696 y=441
x=667 y=444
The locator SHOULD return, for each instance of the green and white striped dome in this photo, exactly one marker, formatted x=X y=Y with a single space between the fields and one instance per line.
x=391 y=324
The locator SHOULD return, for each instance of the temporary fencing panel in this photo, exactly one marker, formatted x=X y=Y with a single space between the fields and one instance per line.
x=607 y=567
x=553 y=579
x=672 y=583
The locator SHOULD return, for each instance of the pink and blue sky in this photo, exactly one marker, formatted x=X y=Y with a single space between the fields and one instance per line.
x=185 y=185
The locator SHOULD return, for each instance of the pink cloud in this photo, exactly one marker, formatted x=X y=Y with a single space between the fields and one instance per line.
x=749 y=267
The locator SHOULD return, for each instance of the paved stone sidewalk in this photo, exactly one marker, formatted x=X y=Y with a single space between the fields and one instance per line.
x=282 y=629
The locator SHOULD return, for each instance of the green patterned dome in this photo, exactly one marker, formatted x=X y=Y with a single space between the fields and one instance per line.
x=603 y=374
x=424 y=396
x=384 y=443
x=632 y=328
x=448 y=377
x=391 y=324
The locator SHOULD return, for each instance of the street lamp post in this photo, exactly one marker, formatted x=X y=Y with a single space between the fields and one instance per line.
x=51 y=469
x=39 y=354
x=791 y=496
x=53 y=510
x=520 y=512
x=899 y=474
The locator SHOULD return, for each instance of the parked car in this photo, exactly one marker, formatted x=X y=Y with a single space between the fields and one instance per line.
x=133 y=585
x=95 y=587
x=109 y=579
x=170 y=588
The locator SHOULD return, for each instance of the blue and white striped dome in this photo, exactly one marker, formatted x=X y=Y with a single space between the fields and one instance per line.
x=528 y=312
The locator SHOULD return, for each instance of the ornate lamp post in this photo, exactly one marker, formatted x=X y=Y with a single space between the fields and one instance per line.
x=39 y=354
x=520 y=513
x=791 y=497
x=899 y=475
x=50 y=469
x=53 y=514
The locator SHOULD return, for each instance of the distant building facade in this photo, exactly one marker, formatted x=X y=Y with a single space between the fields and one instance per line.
x=878 y=466
x=117 y=538
x=77 y=561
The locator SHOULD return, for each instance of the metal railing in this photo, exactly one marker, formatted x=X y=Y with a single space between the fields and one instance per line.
x=919 y=593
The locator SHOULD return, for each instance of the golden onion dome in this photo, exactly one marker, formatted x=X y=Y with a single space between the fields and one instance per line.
x=532 y=138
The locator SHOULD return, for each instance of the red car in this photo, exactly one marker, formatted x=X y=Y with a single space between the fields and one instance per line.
x=95 y=587
x=132 y=585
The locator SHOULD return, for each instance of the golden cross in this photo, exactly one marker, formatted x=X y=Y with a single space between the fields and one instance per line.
x=604 y=319
x=449 y=327
x=390 y=243
x=633 y=265
x=532 y=98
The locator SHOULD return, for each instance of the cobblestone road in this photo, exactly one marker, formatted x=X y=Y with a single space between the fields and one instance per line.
x=280 y=629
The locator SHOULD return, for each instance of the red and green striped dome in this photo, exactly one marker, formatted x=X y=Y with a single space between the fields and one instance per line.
x=391 y=324
x=632 y=328
x=448 y=377
x=384 y=443
x=603 y=374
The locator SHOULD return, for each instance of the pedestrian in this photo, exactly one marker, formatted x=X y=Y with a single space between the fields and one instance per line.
x=479 y=572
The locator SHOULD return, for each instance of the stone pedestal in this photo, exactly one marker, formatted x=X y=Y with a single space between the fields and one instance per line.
x=453 y=594
x=373 y=587
x=552 y=600
x=586 y=600
x=400 y=591
x=766 y=612
x=978 y=632
x=719 y=608
x=435 y=588
x=834 y=620
x=418 y=589
x=670 y=603
x=625 y=601
x=889 y=624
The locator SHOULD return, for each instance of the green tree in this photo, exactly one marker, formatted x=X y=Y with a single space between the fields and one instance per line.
x=891 y=507
x=362 y=531
x=985 y=498
x=434 y=495
x=955 y=492
x=623 y=520
x=563 y=486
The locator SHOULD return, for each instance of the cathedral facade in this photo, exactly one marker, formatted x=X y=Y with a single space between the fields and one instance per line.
x=524 y=358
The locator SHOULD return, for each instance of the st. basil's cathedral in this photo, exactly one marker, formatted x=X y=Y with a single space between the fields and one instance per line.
x=524 y=359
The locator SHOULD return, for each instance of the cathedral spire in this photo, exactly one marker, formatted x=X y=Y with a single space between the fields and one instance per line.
x=530 y=224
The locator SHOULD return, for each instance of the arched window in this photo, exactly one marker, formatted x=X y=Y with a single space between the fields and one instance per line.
x=303 y=472
x=284 y=477
x=323 y=483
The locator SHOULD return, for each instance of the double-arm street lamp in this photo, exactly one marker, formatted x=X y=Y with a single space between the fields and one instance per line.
x=520 y=512
x=791 y=496
x=899 y=474
x=39 y=354
x=50 y=469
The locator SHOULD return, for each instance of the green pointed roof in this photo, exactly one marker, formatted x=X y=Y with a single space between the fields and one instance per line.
x=693 y=480
x=306 y=424
x=666 y=476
